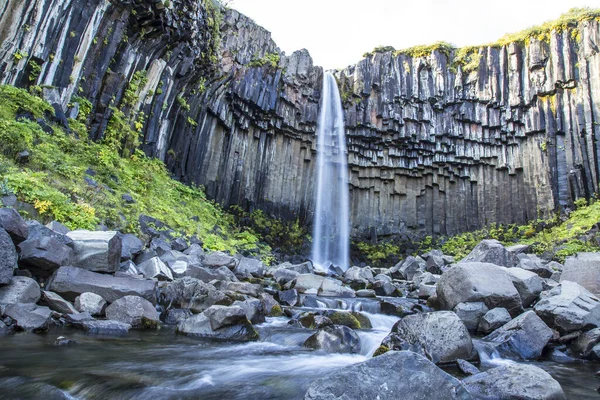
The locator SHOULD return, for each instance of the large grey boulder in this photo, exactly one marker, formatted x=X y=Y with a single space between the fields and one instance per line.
x=8 y=257
x=493 y=320
x=334 y=339
x=528 y=284
x=303 y=268
x=334 y=288
x=440 y=336
x=247 y=267
x=522 y=338
x=283 y=276
x=21 y=289
x=569 y=307
x=246 y=288
x=154 y=268
x=514 y=382
x=199 y=326
x=37 y=230
x=475 y=281
x=192 y=294
x=358 y=274
x=584 y=269
x=44 y=254
x=222 y=316
x=493 y=252
x=131 y=246
x=471 y=313
x=90 y=303
x=410 y=268
x=587 y=345
x=531 y=262
x=308 y=283
x=135 y=311
x=57 y=303
x=98 y=251
x=70 y=282
x=219 y=259
x=254 y=310
x=391 y=376
x=29 y=317
x=13 y=224
x=210 y=274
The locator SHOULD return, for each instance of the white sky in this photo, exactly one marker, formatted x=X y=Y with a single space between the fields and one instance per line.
x=338 y=32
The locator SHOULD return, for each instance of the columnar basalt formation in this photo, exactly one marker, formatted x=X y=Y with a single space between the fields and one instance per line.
x=433 y=149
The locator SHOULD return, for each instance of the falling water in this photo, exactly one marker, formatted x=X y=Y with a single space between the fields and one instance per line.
x=331 y=224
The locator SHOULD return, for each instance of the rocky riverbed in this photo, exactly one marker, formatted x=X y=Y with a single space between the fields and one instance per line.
x=100 y=314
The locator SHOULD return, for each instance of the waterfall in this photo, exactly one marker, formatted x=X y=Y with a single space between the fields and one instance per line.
x=331 y=236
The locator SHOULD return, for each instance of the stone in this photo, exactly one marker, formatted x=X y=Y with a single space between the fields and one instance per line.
x=393 y=375
x=177 y=262
x=383 y=288
x=584 y=269
x=199 y=326
x=492 y=252
x=57 y=303
x=105 y=327
x=365 y=293
x=58 y=227
x=493 y=320
x=288 y=297
x=160 y=246
x=466 y=368
x=303 y=268
x=175 y=315
x=219 y=259
x=222 y=316
x=210 y=274
x=473 y=282
x=308 y=283
x=249 y=267
x=131 y=246
x=29 y=317
x=569 y=307
x=531 y=262
x=334 y=288
x=154 y=268
x=471 y=313
x=283 y=276
x=195 y=251
x=21 y=289
x=435 y=264
x=90 y=303
x=179 y=244
x=246 y=288
x=45 y=254
x=440 y=336
x=8 y=257
x=254 y=310
x=514 y=382
x=358 y=274
x=528 y=284
x=399 y=306
x=96 y=251
x=426 y=291
x=192 y=294
x=70 y=282
x=13 y=224
x=522 y=338
x=334 y=339
x=344 y=318
x=409 y=269
x=270 y=306
x=586 y=345
x=129 y=268
x=135 y=311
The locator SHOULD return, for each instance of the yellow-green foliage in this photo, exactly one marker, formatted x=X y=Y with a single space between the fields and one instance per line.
x=270 y=59
x=426 y=50
x=468 y=58
x=53 y=181
x=379 y=49
x=214 y=19
x=378 y=253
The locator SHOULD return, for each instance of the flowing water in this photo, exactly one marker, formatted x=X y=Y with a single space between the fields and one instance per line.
x=331 y=222
x=163 y=365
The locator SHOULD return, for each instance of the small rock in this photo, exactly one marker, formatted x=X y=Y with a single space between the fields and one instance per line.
x=334 y=339
x=91 y=303
x=135 y=311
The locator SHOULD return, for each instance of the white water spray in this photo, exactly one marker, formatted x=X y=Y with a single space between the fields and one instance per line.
x=331 y=236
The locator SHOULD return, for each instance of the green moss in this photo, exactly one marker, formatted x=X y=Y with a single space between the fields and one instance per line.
x=381 y=350
x=276 y=311
x=425 y=50
x=379 y=253
x=214 y=18
x=270 y=59
x=344 y=318
x=363 y=320
x=378 y=49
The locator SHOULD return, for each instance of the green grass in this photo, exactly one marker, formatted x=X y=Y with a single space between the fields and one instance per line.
x=53 y=181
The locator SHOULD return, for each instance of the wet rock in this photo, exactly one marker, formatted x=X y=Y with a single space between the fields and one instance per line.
x=492 y=252
x=96 y=250
x=308 y=283
x=473 y=282
x=135 y=311
x=388 y=377
x=523 y=338
x=219 y=259
x=514 y=382
x=62 y=341
x=471 y=313
x=45 y=254
x=90 y=303
x=21 y=289
x=29 y=317
x=70 y=282
x=528 y=284
x=334 y=339
x=466 y=368
x=283 y=276
x=569 y=307
x=57 y=303
x=199 y=325
x=440 y=336
x=365 y=322
x=105 y=327
x=8 y=257
x=13 y=224
x=154 y=268
x=222 y=316
x=334 y=288
x=584 y=269
x=131 y=246
x=27 y=388
x=365 y=293
x=399 y=306
x=493 y=320
x=344 y=318
x=175 y=315
x=270 y=306
x=587 y=345
x=288 y=297
x=254 y=310
x=192 y=294
x=409 y=269
x=383 y=288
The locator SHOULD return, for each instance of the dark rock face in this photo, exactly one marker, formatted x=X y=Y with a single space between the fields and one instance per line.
x=11 y=222
x=96 y=250
x=493 y=252
x=192 y=294
x=584 y=269
x=420 y=134
x=21 y=289
x=45 y=254
x=200 y=325
x=8 y=257
x=396 y=374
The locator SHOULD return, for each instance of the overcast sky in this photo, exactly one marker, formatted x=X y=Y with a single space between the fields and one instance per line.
x=338 y=32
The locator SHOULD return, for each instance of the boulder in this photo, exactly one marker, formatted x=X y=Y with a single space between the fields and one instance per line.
x=384 y=288
x=514 y=382
x=283 y=276
x=344 y=318
x=440 y=336
x=177 y=262
x=13 y=224
x=58 y=227
x=466 y=368
x=21 y=289
x=210 y=274
x=358 y=274
x=587 y=345
x=334 y=339
x=532 y=263
x=219 y=259
x=399 y=306
x=8 y=257
x=29 y=317
x=45 y=254
x=528 y=284
x=179 y=244
x=409 y=269
x=492 y=252
x=334 y=288
x=128 y=267
x=175 y=315
x=105 y=327
x=471 y=313
x=131 y=246
x=435 y=264
x=246 y=288
x=222 y=316
x=37 y=230
x=70 y=282
x=288 y=297
x=393 y=375
x=249 y=267
x=270 y=306
x=569 y=307
x=160 y=246
x=195 y=252
x=199 y=325
x=473 y=282
x=90 y=303
x=493 y=320
x=584 y=269
x=192 y=294
x=303 y=268
x=254 y=310
x=96 y=250
x=154 y=268
x=135 y=311
x=308 y=283
x=522 y=338
x=366 y=293
x=57 y=303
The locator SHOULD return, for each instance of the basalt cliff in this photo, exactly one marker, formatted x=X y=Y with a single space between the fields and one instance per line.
x=433 y=147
